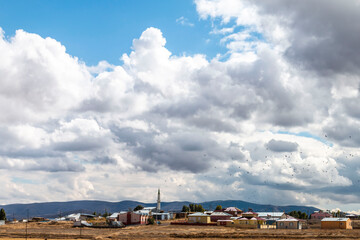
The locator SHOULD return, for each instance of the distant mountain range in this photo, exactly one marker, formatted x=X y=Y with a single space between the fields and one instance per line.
x=56 y=209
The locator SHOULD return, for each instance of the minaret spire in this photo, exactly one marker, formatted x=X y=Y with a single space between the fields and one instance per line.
x=158 y=201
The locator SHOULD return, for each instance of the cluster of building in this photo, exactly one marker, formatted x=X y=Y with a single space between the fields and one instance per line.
x=142 y=216
x=328 y=221
x=230 y=217
x=234 y=217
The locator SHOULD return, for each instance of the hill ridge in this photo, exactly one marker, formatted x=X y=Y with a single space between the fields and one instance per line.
x=55 y=209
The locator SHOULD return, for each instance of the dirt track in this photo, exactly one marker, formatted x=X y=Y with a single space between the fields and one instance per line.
x=165 y=231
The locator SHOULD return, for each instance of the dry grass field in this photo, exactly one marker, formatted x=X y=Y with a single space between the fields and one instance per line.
x=64 y=230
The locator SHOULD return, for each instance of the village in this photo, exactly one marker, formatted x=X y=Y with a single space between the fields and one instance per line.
x=196 y=215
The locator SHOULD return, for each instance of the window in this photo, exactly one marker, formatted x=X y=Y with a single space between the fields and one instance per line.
x=291 y=224
x=281 y=224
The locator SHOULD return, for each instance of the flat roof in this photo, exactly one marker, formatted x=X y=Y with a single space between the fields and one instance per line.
x=198 y=214
x=273 y=214
x=288 y=220
x=335 y=219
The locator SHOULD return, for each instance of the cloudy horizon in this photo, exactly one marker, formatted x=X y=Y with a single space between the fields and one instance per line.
x=269 y=118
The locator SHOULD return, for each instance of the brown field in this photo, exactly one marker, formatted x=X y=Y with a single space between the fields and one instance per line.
x=64 y=230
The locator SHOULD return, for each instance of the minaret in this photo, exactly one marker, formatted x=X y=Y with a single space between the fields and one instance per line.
x=158 y=201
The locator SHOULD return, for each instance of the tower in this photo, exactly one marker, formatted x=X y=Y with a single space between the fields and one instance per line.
x=158 y=201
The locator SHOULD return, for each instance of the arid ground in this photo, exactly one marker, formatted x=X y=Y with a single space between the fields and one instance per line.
x=65 y=230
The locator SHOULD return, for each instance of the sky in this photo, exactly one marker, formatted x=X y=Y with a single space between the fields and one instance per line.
x=204 y=99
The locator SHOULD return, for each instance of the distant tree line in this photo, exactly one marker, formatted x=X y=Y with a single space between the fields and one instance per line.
x=193 y=208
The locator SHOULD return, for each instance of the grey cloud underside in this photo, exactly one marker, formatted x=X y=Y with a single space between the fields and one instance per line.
x=81 y=144
x=324 y=34
x=187 y=151
x=43 y=164
x=282 y=146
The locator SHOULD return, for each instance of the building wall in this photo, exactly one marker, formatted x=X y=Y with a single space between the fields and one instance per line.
x=215 y=218
x=336 y=224
x=199 y=219
x=225 y=223
x=233 y=213
x=288 y=225
x=320 y=215
x=245 y=222
x=122 y=218
x=132 y=218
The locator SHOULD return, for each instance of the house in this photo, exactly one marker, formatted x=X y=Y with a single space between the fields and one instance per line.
x=162 y=216
x=318 y=215
x=249 y=214
x=288 y=223
x=2 y=222
x=352 y=216
x=246 y=223
x=272 y=215
x=131 y=218
x=113 y=217
x=215 y=216
x=336 y=223
x=233 y=211
x=199 y=217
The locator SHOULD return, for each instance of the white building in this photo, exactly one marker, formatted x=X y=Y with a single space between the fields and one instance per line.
x=272 y=215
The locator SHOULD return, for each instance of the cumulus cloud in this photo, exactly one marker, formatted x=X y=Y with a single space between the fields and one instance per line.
x=186 y=123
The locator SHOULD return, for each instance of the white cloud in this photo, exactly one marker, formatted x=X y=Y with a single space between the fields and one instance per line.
x=235 y=127
x=184 y=21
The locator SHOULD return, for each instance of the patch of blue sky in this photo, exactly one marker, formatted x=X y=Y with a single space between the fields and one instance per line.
x=307 y=135
x=22 y=180
x=96 y=30
x=257 y=36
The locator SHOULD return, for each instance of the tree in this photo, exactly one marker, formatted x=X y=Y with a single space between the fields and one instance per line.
x=2 y=214
x=151 y=221
x=106 y=214
x=199 y=208
x=298 y=214
x=138 y=207
x=192 y=207
x=218 y=207
x=185 y=209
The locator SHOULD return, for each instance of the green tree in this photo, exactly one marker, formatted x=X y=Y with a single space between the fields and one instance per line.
x=218 y=207
x=298 y=215
x=192 y=207
x=106 y=214
x=185 y=209
x=138 y=207
x=151 y=221
x=199 y=208
x=2 y=214
x=304 y=216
